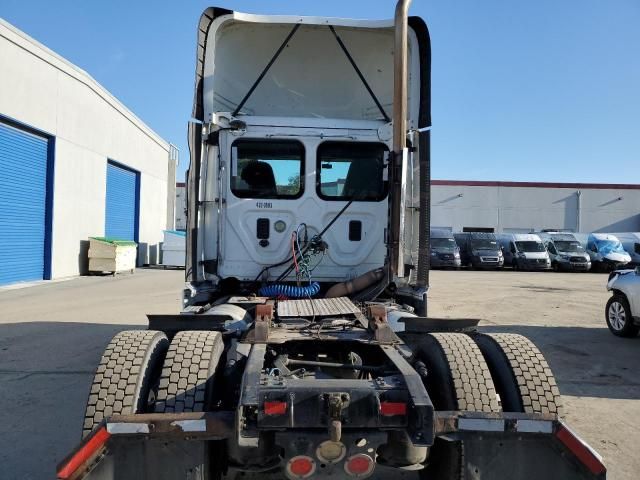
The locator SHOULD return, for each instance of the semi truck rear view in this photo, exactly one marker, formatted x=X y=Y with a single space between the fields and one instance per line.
x=304 y=349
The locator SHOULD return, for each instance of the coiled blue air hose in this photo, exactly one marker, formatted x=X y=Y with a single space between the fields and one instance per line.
x=290 y=291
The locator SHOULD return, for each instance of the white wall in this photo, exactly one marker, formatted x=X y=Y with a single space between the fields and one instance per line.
x=525 y=208
x=90 y=126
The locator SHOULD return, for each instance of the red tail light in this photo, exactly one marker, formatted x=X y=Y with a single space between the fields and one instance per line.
x=300 y=467
x=581 y=450
x=82 y=456
x=359 y=465
x=389 y=409
x=275 y=408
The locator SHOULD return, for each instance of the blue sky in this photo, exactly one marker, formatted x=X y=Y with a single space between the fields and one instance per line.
x=527 y=91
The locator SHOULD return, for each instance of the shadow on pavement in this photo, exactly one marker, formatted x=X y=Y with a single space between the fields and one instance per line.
x=46 y=369
x=588 y=362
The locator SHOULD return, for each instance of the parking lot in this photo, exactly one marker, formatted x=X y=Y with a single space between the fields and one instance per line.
x=52 y=336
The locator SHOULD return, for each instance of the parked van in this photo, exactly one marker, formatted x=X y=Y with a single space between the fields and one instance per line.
x=566 y=252
x=631 y=243
x=444 y=249
x=605 y=250
x=479 y=250
x=524 y=251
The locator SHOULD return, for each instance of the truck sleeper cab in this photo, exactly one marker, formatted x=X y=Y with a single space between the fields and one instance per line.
x=445 y=252
x=479 y=250
x=524 y=251
x=566 y=252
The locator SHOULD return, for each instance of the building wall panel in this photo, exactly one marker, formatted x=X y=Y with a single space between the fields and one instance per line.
x=90 y=126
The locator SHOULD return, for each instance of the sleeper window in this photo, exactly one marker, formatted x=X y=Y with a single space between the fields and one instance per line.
x=267 y=169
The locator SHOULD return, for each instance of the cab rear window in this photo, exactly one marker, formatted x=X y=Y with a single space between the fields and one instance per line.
x=267 y=169
x=352 y=171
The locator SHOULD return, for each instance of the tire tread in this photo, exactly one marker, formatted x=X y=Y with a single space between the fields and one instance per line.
x=534 y=379
x=471 y=380
x=188 y=371
x=122 y=376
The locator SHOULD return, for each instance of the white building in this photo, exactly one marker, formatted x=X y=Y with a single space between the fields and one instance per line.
x=519 y=206
x=74 y=163
x=526 y=206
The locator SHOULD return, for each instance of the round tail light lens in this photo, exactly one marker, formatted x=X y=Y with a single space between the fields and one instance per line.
x=300 y=467
x=359 y=465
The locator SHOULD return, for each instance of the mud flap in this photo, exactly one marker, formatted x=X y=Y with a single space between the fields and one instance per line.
x=490 y=449
x=186 y=446
x=146 y=459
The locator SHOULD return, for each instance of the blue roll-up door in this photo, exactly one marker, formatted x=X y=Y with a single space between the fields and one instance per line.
x=23 y=205
x=121 y=215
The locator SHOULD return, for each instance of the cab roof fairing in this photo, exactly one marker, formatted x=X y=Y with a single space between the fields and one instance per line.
x=312 y=78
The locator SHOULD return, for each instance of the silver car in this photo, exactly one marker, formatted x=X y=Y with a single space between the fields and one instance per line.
x=622 y=313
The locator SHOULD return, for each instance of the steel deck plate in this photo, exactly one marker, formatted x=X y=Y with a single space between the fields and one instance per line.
x=321 y=307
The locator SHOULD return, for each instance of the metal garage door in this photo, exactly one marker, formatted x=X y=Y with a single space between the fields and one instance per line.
x=23 y=205
x=121 y=215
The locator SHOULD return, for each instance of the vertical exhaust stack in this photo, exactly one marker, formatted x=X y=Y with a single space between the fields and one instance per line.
x=416 y=295
x=401 y=62
x=400 y=59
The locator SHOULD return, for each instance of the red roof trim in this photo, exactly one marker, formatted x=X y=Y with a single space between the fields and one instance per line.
x=180 y=184
x=585 y=186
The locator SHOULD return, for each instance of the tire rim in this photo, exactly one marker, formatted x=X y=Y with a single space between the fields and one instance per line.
x=617 y=316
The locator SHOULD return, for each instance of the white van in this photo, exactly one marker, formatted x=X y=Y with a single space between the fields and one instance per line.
x=524 y=251
x=631 y=243
x=606 y=252
x=566 y=252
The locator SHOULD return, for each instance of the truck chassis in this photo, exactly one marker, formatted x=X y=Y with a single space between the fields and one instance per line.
x=344 y=396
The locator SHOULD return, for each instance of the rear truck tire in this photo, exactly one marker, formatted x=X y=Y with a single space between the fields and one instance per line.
x=125 y=376
x=458 y=377
x=187 y=377
x=521 y=374
x=618 y=317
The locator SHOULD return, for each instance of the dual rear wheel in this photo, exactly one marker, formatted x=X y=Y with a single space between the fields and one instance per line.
x=488 y=373
x=141 y=372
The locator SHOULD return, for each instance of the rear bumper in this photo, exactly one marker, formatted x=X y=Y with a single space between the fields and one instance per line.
x=166 y=446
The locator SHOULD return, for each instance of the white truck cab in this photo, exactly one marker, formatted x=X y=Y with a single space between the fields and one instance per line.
x=296 y=135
